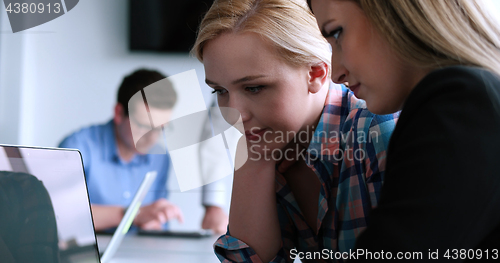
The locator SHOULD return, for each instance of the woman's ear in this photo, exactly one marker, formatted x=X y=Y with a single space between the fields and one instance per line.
x=317 y=77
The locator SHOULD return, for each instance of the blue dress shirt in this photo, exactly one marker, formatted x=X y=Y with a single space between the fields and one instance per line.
x=110 y=180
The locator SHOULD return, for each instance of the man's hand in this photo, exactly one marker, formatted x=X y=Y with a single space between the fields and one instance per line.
x=153 y=216
x=215 y=219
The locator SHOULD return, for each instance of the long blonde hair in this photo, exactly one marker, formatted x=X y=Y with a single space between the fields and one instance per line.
x=287 y=24
x=437 y=33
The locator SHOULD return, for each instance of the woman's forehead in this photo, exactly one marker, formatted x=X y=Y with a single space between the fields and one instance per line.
x=239 y=50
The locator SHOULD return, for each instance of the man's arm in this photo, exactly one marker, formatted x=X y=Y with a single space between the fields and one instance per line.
x=149 y=217
x=212 y=169
x=213 y=199
x=106 y=216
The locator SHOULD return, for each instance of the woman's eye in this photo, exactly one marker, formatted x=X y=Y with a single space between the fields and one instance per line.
x=335 y=33
x=255 y=89
x=219 y=91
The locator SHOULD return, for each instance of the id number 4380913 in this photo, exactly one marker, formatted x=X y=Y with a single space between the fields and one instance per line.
x=471 y=254
x=33 y=8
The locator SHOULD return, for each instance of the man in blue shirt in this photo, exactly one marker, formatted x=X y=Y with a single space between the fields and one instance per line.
x=115 y=166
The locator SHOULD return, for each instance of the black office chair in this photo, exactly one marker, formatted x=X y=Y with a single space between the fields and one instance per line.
x=28 y=229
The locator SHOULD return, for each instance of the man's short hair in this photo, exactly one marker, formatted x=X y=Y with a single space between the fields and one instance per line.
x=163 y=98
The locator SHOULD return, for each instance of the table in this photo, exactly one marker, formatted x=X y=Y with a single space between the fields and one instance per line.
x=161 y=249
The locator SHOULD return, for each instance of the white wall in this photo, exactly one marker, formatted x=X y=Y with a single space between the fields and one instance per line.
x=63 y=75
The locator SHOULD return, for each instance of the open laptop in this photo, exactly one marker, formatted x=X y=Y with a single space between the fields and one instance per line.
x=61 y=174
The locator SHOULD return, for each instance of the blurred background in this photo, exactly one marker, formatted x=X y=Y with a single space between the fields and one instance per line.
x=63 y=75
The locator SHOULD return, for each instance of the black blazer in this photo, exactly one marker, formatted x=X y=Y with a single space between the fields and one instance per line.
x=442 y=179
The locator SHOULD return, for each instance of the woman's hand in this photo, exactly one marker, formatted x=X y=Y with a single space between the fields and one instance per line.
x=291 y=154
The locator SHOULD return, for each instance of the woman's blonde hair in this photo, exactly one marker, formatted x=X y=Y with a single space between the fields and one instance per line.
x=287 y=24
x=438 y=33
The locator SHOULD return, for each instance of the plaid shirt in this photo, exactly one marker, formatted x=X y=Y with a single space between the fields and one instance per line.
x=348 y=154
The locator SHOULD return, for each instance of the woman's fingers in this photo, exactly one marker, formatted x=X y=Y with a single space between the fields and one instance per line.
x=291 y=154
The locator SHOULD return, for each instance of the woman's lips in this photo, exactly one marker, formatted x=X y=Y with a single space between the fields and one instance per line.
x=254 y=134
x=354 y=89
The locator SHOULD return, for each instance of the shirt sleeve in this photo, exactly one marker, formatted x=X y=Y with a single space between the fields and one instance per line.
x=379 y=134
x=441 y=185
x=230 y=249
x=213 y=194
x=213 y=161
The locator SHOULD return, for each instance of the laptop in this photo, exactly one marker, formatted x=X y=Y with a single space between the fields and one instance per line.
x=57 y=193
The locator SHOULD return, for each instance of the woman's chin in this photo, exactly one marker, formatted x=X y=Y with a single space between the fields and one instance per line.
x=381 y=108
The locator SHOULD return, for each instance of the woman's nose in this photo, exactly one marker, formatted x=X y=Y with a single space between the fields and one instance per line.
x=238 y=108
x=244 y=113
x=339 y=72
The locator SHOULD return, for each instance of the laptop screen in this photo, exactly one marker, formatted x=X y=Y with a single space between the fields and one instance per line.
x=45 y=206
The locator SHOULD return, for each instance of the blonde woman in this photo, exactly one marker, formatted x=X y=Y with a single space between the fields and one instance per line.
x=439 y=62
x=268 y=60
